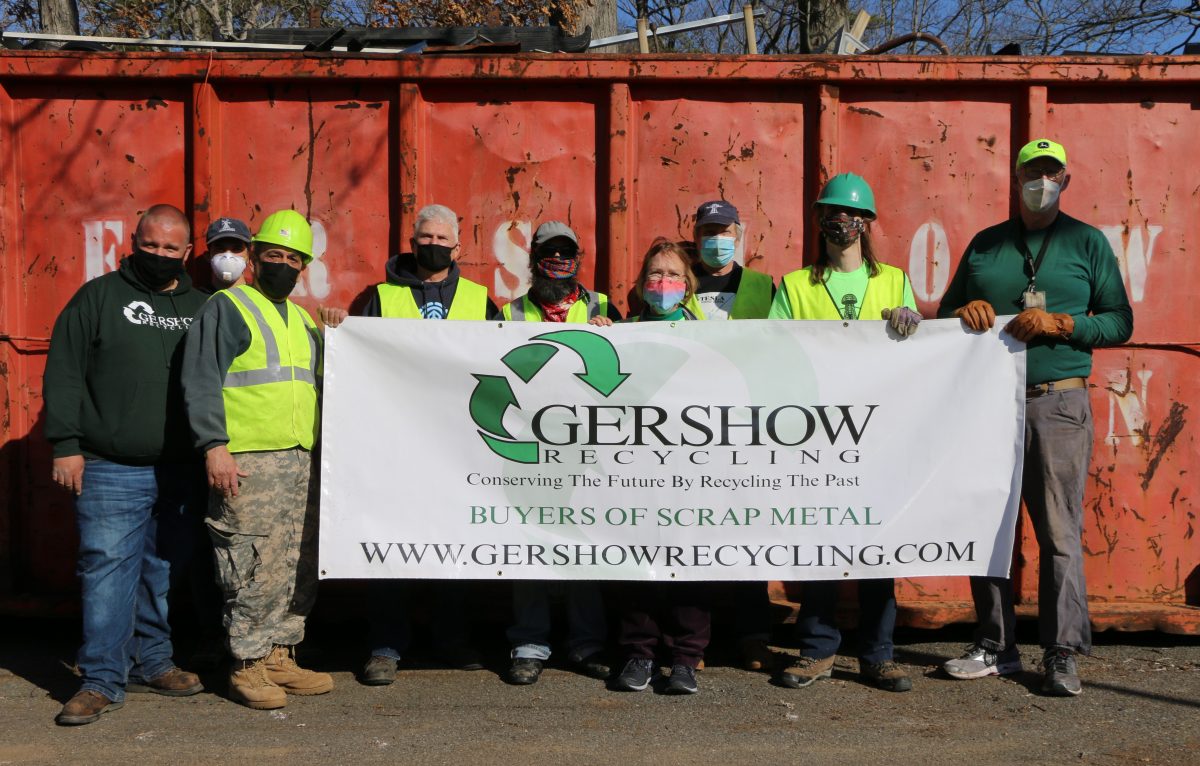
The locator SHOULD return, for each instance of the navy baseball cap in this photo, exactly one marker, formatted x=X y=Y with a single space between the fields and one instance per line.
x=717 y=211
x=227 y=227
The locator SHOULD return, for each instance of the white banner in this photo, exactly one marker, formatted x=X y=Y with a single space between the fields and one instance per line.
x=748 y=450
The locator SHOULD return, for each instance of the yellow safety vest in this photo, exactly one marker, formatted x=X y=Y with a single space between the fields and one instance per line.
x=397 y=302
x=809 y=301
x=270 y=391
x=525 y=310
x=752 y=300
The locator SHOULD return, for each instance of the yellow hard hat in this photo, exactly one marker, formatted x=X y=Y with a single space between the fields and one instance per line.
x=289 y=229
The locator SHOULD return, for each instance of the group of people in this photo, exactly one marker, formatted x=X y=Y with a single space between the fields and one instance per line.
x=166 y=404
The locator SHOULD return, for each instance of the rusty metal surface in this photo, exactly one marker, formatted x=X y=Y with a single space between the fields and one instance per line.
x=623 y=148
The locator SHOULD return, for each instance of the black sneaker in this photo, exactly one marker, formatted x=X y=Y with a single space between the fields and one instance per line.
x=683 y=680
x=595 y=665
x=1062 y=677
x=636 y=675
x=524 y=671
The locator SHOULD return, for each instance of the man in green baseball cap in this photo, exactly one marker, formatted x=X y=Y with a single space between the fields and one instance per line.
x=1059 y=277
x=251 y=367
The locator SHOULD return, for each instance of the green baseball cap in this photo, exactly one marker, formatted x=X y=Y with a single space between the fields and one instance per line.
x=1042 y=147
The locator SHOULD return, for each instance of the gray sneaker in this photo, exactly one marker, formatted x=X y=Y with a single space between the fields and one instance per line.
x=683 y=680
x=636 y=675
x=1062 y=677
x=379 y=671
x=978 y=662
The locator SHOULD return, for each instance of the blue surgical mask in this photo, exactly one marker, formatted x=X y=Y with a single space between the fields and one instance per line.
x=716 y=251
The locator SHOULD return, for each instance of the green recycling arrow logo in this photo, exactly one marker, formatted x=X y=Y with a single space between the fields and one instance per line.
x=493 y=394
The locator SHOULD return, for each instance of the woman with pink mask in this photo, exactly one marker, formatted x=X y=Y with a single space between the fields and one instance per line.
x=673 y=615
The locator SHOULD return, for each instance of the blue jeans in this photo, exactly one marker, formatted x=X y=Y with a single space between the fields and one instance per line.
x=816 y=627
x=124 y=580
x=391 y=627
x=530 y=631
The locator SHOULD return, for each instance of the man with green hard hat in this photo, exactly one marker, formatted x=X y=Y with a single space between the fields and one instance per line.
x=1060 y=278
x=251 y=368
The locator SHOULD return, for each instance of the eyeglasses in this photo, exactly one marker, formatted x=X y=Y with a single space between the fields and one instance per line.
x=566 y=251
x=1034 y=171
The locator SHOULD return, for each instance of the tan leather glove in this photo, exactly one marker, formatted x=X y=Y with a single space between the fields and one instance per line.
x=1035 y=323
x=978 y=315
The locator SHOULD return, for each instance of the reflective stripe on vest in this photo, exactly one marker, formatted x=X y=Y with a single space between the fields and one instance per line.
x=270 y=390
x=809 y=301
x=397 y=302
x=525 y=310
x=751 y=301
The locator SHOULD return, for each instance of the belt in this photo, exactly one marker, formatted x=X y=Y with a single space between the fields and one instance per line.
x=1041 y=389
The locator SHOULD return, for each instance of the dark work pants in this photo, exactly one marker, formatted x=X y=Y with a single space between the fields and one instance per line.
x=816 y=626
x=1058 y=448
x=677 y=615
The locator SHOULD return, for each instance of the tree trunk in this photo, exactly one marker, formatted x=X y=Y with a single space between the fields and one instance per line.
x=825 y=18
x=59 y=17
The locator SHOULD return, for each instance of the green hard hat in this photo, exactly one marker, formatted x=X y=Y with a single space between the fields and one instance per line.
x=848 y=190
x=289 y=229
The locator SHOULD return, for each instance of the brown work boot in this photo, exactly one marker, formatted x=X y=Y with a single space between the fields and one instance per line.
x=805 y=671
x=286 y=674
x=251 y=686
x=756 y=655
x=86 y=706
x=173 y=683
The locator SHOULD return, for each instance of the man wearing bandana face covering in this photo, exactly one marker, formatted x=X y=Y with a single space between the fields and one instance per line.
x=114 y=350
x=1060 y=277
x=426 y=283
x=555 y=294
x=252 y=366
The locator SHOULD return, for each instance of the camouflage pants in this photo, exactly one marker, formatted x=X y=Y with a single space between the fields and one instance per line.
x=265 y=541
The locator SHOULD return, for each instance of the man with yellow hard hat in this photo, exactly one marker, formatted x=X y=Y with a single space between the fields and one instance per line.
x=251 y=367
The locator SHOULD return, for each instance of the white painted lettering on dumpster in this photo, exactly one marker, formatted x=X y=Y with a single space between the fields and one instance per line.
x=1134 y=248
x=314 y=281
x=929 y=262
x=1130 y=402
x=101 y=240
x=510 y=247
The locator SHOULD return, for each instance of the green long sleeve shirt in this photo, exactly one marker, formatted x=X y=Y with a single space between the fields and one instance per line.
x=1079 y=275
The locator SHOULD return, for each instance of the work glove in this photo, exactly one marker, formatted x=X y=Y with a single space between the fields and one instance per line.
x=902 y=319
x=1034 y=323
x=978 y=315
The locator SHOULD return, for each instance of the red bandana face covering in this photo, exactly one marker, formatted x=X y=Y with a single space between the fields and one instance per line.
x=557 y=312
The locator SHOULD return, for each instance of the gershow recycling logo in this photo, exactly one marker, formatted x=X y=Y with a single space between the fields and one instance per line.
x=493 y=394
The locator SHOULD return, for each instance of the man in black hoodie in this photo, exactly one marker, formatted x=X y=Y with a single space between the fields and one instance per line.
x=424 y=284
x=115 y=417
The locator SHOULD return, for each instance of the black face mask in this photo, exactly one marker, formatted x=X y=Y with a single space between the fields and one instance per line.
x=155 y=271
x=275 y=280
x=433 y=257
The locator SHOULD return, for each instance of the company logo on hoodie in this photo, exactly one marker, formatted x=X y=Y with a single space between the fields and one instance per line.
x=140 y=312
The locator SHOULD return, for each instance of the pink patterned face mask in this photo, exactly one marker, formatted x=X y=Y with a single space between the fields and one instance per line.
x=663 y=295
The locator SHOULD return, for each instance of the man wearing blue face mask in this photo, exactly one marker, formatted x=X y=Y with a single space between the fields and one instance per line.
x=725 y=290
x=1060 y=277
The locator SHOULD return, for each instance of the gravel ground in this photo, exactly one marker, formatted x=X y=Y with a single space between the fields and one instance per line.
x=1141 y=704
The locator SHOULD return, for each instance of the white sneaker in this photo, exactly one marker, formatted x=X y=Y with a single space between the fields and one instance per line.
x=978 y=662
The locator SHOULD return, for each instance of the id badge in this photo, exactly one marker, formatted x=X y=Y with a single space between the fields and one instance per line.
x=1035 y=299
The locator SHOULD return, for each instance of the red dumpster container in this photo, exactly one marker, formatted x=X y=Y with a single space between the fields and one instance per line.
x=624 y=149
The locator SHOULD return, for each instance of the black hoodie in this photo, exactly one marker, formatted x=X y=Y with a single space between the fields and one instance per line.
x=402 y=270
x=112 y=378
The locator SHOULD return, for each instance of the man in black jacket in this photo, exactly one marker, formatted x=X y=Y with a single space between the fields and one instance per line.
x=115 y=417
